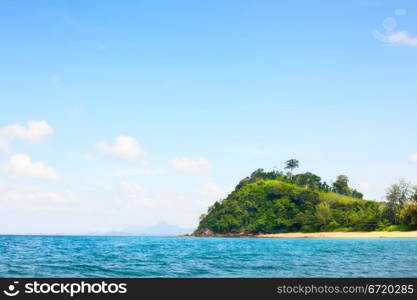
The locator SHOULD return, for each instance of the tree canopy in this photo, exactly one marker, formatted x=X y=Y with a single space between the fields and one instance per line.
x=291 y=164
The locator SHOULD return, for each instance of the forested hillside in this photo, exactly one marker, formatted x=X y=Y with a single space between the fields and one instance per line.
x=273 y=202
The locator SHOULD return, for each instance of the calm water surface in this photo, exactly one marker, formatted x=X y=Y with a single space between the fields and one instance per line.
x=81 y=256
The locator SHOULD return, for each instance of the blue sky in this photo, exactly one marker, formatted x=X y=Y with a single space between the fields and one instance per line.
x=148 y=111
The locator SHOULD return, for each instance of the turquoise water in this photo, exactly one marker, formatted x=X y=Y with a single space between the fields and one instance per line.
x=64 y=256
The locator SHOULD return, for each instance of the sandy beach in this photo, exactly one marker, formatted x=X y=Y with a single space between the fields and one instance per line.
x=371 y=234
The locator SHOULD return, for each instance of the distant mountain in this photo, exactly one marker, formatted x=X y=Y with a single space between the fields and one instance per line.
x=159 y=229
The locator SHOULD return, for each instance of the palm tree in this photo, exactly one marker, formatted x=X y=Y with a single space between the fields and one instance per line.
x=291 y=164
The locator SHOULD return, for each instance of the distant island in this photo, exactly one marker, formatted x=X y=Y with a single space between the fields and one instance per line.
x=275 y=203
x=159 y=229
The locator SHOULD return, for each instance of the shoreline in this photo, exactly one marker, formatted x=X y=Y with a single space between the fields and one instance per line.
x=352 y=234
x=349 y=234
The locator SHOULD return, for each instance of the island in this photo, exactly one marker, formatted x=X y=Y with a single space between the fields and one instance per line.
x=279 y=204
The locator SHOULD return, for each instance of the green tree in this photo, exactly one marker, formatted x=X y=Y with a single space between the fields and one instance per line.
x=408 y=214
x=291 y=165
x=308 y=180
x=413 y=196
x=323 y=213
x=397 y=195
x=341 y=185
x=325 y=187
x=356 y=194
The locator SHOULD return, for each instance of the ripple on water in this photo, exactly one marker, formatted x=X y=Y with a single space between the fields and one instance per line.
x=49 y=256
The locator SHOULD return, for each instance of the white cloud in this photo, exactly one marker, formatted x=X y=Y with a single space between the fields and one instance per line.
x=135 y=172
x=212 y=190
x=402 y=38
x=211 y=193
x=34 y=131
x=191 y=166
x=4 y=145
x=396 y=38
x=37 y=197
x=22 y=165
x=413 y=158
x=124 y=147
x=32 y=198
x=134 y=195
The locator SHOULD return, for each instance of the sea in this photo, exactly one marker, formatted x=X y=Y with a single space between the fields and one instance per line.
x=135 y=256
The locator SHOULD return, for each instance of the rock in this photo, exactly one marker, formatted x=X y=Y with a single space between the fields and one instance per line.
x=205 y=232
